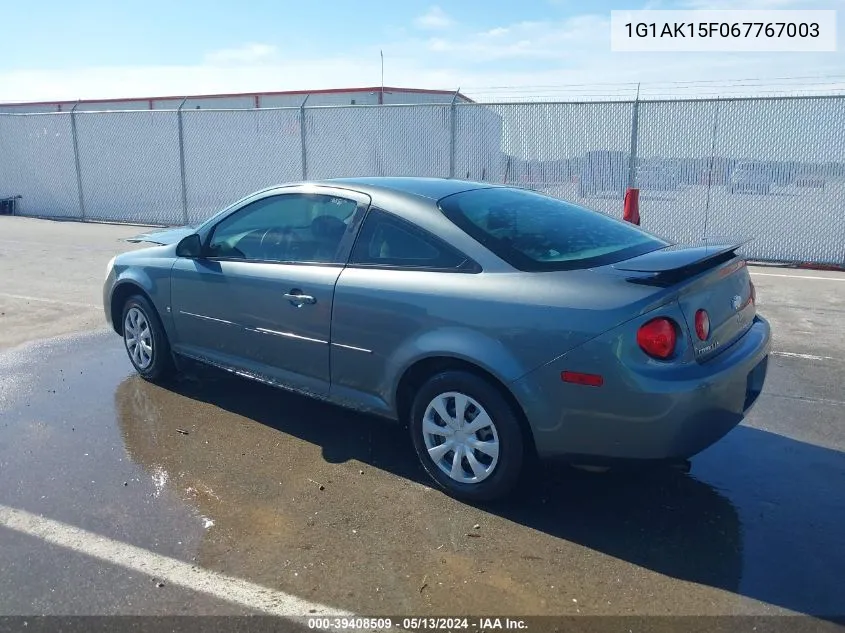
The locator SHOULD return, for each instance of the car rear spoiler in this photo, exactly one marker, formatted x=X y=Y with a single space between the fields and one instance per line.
x=675 y=263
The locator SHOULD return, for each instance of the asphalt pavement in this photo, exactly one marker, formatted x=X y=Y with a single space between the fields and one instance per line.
x=215 y=495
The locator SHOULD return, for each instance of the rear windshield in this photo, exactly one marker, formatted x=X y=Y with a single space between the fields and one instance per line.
x=532 y=231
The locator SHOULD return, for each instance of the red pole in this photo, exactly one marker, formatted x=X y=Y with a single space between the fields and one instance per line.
x=631 y=212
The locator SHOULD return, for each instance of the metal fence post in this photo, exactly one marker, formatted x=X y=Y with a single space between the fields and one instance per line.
x=182 y=161
x=73 y=135
x=379 y=153
x=713 y=139
x=635 y=124
x=302 y=137
x=453 y=133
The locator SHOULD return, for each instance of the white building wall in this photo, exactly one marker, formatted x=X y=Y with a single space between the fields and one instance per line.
x=416 y=97
x=245 y=102
x=98 y=106
x=332 y=99
x=285 y=101
x=15 y=108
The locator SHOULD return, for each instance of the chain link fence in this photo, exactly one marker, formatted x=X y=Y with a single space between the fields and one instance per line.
x=408 y=140
x=574 y=151
x=674 y=146
x=37 y=161
x=230 y=154
x=771 y=171
x=129 y=165
x=781 y=175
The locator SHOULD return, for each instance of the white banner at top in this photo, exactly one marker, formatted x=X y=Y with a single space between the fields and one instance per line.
x=747 y=31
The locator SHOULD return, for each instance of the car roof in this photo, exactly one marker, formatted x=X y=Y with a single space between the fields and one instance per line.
x=419 y=187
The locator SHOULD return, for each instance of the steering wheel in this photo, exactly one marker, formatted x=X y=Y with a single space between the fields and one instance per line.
x=269 y=242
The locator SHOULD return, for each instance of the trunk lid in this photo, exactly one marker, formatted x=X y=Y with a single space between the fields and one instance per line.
x=710 y=277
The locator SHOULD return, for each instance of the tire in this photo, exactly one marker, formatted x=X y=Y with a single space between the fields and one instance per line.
x=151 y=356
x=496 y=474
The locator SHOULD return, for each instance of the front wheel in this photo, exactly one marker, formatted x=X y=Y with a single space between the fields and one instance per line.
x=145 y=340
x=467 y=436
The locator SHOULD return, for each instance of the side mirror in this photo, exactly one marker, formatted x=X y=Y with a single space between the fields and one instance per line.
x=190 y=247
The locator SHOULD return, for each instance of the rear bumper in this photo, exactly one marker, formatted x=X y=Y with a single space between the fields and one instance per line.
x=645 y=415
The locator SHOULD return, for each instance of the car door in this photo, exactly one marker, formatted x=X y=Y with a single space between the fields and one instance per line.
x=260 y=298
x=400 y=280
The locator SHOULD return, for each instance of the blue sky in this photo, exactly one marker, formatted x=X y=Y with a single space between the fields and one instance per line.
x=104 y=48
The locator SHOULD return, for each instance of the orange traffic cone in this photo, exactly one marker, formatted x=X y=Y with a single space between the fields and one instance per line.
x=631 y=212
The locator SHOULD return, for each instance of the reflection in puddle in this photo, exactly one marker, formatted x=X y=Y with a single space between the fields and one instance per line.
x=200 y=489
x=616 y=543
x=160 y=478
x=252 y=454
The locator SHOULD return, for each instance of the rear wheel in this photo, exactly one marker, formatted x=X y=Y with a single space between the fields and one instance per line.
x=467 y=436
x=145 y=340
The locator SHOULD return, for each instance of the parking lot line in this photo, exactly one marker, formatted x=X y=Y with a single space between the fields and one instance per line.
x=804 y=356
x=88 y=248
x=42 y=299
x=798 y=276
x=164 y=568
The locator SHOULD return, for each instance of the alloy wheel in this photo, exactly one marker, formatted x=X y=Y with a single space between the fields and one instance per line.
x=138 y=338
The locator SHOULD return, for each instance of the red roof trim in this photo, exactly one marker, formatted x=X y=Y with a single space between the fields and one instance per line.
x=245 y=94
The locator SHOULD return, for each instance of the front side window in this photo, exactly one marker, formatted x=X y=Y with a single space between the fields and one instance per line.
x=387 y=241
x=534 y=232
x=285 y=228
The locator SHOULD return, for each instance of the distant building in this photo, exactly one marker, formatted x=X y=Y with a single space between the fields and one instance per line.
x=244 y=101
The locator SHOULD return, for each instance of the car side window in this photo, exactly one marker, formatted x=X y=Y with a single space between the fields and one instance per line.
x=304 y=228
x=389 y=242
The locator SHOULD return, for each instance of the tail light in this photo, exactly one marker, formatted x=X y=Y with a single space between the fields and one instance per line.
x=702 y=324
x=753 y=292
x=658 y=337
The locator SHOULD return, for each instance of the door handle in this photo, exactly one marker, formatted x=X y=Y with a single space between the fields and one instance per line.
x=298 y=299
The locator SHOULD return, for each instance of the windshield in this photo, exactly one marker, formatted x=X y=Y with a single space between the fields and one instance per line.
x=536 y=232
